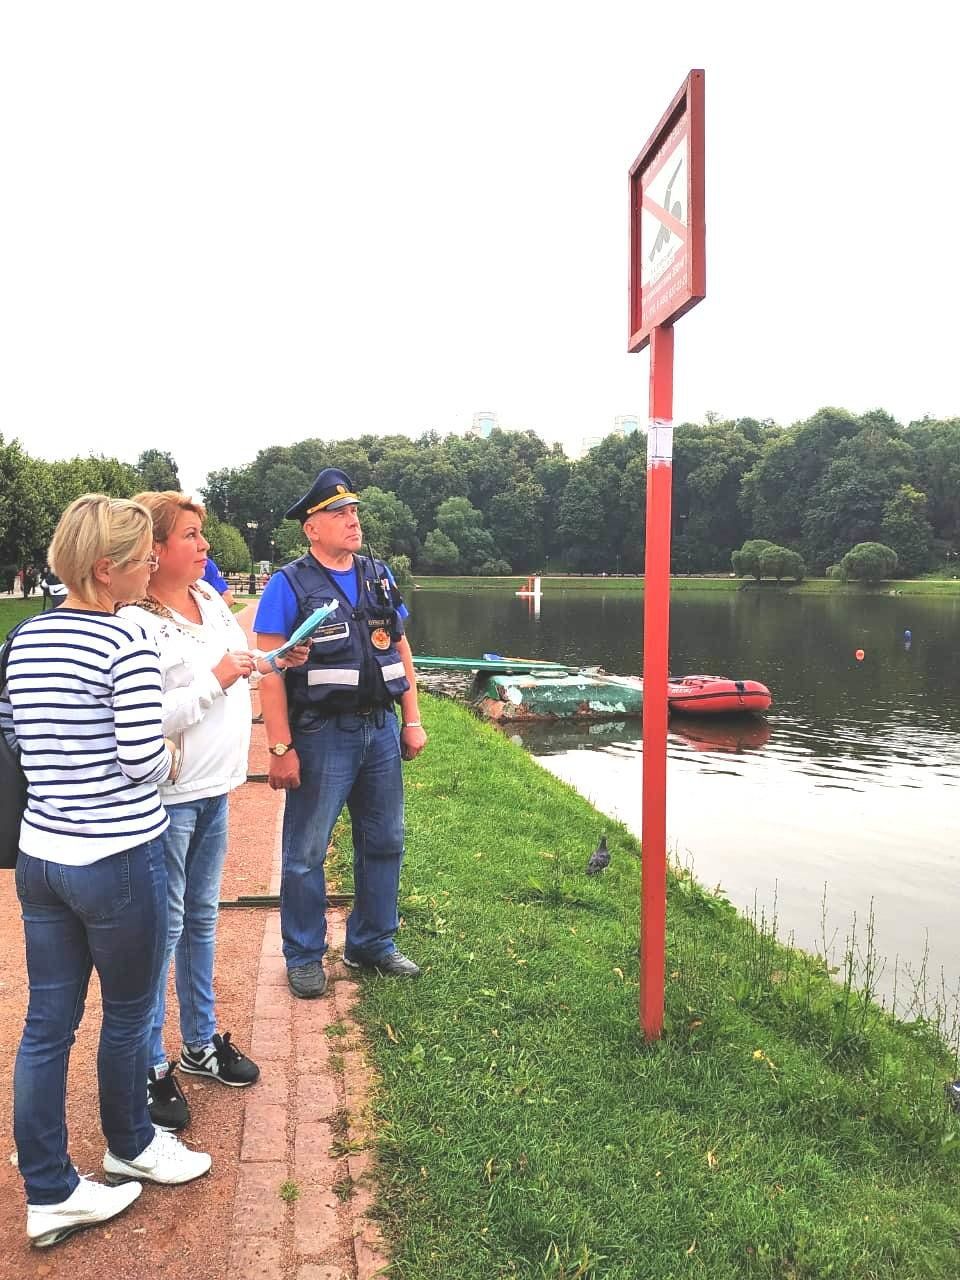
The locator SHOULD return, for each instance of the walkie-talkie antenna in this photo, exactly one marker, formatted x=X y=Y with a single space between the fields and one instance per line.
x=382 y=592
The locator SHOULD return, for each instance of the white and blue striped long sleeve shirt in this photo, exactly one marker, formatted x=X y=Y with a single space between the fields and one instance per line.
x=83 y=702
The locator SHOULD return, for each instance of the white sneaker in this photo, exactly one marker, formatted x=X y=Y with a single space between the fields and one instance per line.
x=166 y=1160
x=88 y=1204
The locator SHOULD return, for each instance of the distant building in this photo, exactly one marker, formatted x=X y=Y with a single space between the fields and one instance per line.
x=483 y=423
x=626 y=424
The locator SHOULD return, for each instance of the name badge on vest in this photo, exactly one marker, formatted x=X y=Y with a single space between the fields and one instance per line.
x=380 y=639
x=333 y=631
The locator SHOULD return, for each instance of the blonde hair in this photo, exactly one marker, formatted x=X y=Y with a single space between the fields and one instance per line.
x=165 y=508
x=95 y=527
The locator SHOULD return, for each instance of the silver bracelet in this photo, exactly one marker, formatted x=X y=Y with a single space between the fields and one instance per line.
x=412 y=724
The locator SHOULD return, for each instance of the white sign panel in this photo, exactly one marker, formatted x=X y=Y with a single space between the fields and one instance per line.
x=662 y=238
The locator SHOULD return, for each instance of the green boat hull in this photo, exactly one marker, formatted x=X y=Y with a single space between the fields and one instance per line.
x=566 y=696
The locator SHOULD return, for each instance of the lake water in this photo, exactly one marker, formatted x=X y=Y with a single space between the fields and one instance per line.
x=852 y=780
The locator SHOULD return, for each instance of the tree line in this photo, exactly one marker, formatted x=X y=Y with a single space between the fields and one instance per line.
x=34 y=492
x=511 y=502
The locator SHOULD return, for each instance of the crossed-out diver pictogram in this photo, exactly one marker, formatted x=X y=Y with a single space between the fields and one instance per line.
x=674 y=212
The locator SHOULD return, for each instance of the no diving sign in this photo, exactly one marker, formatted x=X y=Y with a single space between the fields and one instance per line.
x=667 y=269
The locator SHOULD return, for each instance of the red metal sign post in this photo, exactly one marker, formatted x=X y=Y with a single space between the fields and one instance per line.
x=667 y=278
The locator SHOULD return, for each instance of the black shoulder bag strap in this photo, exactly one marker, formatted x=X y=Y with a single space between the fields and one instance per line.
x=13 y=783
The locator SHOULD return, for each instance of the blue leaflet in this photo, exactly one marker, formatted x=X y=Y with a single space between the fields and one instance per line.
x=305 y=630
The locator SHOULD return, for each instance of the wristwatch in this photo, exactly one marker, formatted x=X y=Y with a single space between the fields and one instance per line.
x=280 y=749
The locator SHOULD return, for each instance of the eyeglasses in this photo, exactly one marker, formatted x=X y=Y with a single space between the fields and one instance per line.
x=153 y=562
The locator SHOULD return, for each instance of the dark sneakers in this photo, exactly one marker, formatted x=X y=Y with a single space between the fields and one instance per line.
x=393 y=965
x=307 y=980
x=165 y=1101
x=222 y=1061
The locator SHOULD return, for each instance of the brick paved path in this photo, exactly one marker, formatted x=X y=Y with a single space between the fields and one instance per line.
x=305 y=1129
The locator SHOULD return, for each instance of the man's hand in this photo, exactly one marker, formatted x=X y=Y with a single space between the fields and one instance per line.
x=412 y=741
x=295 y=657
x=284 y=772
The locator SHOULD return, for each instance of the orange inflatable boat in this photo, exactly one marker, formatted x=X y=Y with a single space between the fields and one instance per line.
x=716 y=695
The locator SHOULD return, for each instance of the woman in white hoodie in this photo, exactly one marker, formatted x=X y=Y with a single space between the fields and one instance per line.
x=206 y=664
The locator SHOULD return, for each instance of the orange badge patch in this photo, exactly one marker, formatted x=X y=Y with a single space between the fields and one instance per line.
x=380 y=638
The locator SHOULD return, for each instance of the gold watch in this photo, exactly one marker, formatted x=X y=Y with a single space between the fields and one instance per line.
x=280 y=749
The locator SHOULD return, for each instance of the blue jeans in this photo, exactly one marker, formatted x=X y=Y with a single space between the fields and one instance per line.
x=195 y=847
x=111 y=914
x=353 y=760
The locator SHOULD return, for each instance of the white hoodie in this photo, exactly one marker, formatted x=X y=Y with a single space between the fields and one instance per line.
x=211 y=724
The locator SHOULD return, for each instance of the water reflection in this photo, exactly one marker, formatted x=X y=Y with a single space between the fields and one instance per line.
x=850 y=781
x=727 y=734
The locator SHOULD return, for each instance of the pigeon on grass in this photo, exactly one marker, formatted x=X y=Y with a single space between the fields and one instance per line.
x=599 y=859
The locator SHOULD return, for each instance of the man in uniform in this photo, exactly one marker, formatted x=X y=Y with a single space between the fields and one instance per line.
x=334 y=737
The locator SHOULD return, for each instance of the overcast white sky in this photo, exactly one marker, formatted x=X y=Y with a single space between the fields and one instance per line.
x=226 y=225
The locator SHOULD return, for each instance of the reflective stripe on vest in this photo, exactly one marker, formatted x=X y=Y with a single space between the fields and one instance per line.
x=395 y=671
x=329 y=675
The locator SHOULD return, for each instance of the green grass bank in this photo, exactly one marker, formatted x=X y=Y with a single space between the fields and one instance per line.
x=784 y=1126
x=810 y=586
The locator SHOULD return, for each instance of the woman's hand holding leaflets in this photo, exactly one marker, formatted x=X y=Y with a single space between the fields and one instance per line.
x=233 y=667
x=244 y=663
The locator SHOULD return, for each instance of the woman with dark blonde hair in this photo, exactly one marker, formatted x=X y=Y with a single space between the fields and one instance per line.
x=206 y=662
x=83 y=704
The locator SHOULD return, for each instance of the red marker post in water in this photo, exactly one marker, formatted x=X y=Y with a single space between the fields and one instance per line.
x=667 y=278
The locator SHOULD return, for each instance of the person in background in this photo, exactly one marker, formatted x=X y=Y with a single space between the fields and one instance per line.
x=206 y=663
x=83 y=703
x=334 y=737
x=214 y=578
x=54 y=591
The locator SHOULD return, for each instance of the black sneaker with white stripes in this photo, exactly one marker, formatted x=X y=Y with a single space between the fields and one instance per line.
x=220 y=1060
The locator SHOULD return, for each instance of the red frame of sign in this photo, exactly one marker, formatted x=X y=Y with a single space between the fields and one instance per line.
x=682 y=278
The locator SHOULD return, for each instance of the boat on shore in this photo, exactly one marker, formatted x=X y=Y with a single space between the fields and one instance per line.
x=509 y=689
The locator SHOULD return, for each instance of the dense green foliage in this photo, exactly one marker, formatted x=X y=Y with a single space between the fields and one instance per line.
x=34 y=493
x=785 y=1127
x=158 y=471
x=468 y=505
x=474 y=506
x=868 y=562
x=746 y=561
x=227 y=547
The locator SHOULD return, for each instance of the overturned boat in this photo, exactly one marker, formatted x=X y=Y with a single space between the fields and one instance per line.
x=509 y=689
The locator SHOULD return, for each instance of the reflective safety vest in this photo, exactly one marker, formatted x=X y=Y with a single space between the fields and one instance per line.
x=354 y=660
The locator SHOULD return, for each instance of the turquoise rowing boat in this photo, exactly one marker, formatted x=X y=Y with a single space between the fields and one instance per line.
x=490 y=665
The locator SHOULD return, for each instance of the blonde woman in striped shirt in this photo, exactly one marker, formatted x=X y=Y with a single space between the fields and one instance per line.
x=82 y=703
